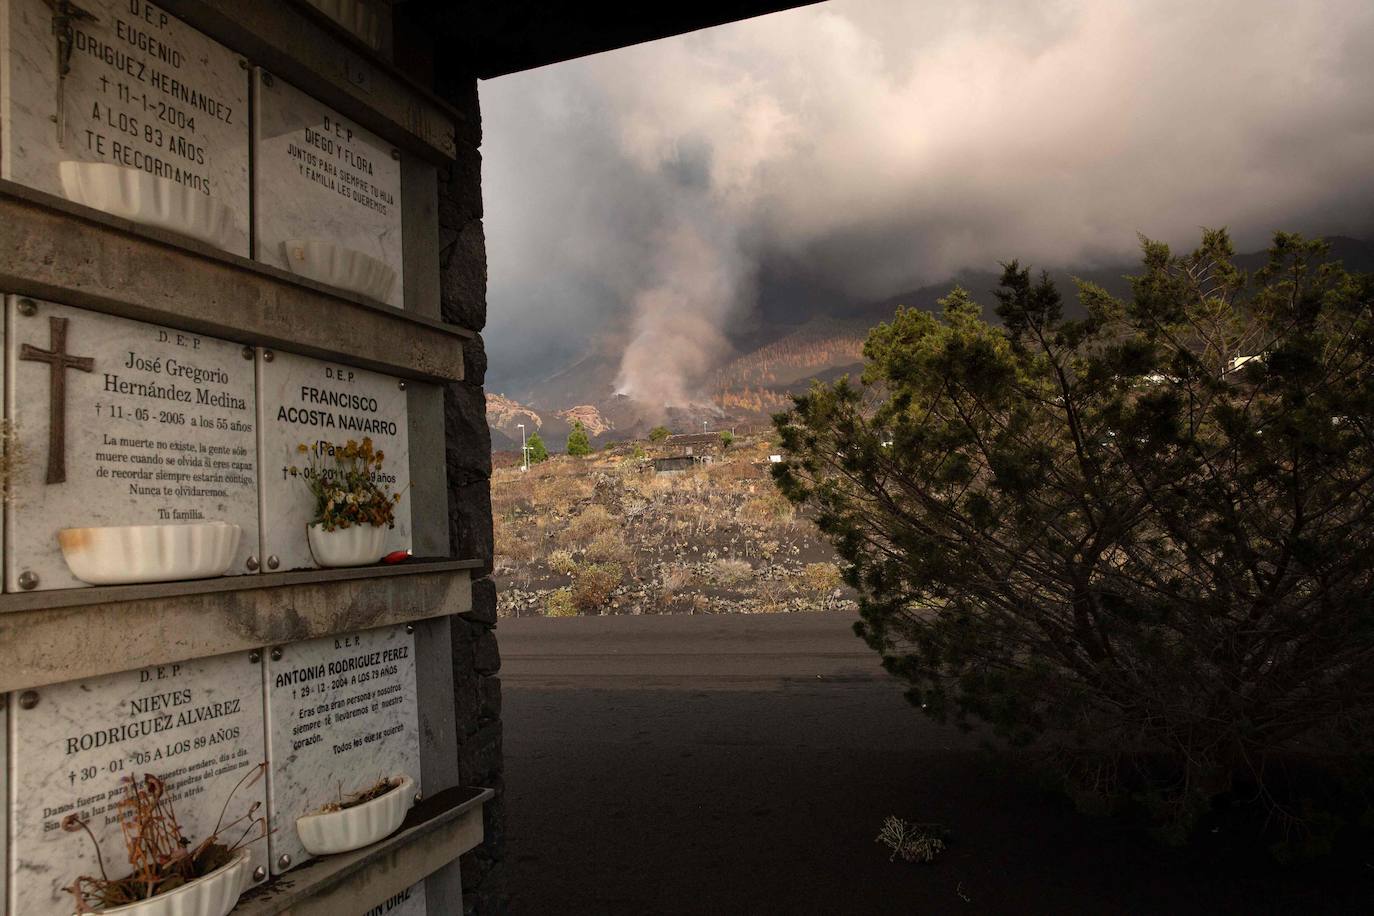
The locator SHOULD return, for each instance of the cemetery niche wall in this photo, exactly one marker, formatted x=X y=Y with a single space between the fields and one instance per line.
x=223 y=660
x=328 y=194
x=120 y=106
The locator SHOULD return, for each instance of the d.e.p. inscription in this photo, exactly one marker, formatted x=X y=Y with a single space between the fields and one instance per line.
x=341 y=715
x=321 y=178
x=118 y=422
x=322 y=406
x=196 y=725
x=126 y=83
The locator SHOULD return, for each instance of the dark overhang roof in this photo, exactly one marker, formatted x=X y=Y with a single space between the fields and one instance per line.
x=488 y=38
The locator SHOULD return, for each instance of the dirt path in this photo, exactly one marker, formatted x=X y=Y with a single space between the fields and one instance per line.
x=730 y=765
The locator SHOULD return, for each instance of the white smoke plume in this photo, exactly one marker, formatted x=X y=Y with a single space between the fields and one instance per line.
x=882 y=145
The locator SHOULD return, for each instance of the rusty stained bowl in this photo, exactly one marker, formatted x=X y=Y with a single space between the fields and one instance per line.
x=214 y=894
x=126 y=554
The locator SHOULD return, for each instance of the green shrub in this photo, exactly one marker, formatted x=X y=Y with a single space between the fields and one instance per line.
x=659 y=433
x=1122 y=537
x=823 y=578
x=559 y=603
x=593 y=585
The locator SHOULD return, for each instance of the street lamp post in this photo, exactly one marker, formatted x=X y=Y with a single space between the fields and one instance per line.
x=524 y=449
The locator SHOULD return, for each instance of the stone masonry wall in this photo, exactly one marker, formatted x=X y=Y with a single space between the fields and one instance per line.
x=476 y=660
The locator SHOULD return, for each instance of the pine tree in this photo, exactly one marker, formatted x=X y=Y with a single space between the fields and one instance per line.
x=578 y=443
x=1142 y=539
x=538 y=452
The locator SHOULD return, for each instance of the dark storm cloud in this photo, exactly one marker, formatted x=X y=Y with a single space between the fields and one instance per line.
x=886 y=145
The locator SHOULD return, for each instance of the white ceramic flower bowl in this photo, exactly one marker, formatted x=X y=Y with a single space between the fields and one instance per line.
x=356 y=545
x=362 y=825
x=356 y=17
x=138 y=196
x=335 y=265
x=149 y=553
x=213 y=895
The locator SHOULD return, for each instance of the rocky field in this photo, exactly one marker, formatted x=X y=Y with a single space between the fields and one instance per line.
x=605 y=534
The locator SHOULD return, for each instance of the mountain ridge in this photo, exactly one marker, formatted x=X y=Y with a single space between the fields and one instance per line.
x=781 y=359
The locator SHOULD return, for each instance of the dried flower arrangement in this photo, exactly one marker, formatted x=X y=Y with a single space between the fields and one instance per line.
x=347 y=484
x=912 y=841
x=372 y=792
x=163 y=859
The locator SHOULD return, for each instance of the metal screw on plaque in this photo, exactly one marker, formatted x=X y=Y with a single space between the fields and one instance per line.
x=284 y=861
x=401 y=384
x=259 y=873
x=28 y=308
x=396 y=154
x=28 y=579
x=268 y=356
x=273 y=562
x=252 y=564
x=276 y=653
x=247 y=352
x=243 y=65
x=410 y=628
x=254 y=657
x=28 y=699
x=419 y=798
x=267 y=78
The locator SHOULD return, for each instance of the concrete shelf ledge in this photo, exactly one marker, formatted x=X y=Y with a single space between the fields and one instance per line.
x=56 y=636
x=437 y=831
x=53 y=249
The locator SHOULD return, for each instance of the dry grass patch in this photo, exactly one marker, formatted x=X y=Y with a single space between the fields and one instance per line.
x=821 y=577
x=767 y=510
x=609 y=546
x=731 y=473
x=512 y=540
x=561 y=562
x=594 y=584
x=677 y=579
x=731 y=572
x=584 y=527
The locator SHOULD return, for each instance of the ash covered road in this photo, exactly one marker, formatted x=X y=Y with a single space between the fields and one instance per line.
x=744 y=764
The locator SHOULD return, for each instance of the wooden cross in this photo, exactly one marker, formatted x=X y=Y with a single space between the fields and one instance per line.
x=58 y=362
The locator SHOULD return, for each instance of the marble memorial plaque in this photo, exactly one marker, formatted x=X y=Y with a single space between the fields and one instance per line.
x=144 y=92
x=409 y=902
x=341 y=716
x=197 y=724
x=309 y=402
x=320 y=178
x=119 y=422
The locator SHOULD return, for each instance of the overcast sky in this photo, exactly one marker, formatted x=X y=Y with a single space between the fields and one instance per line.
x=880 y=145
